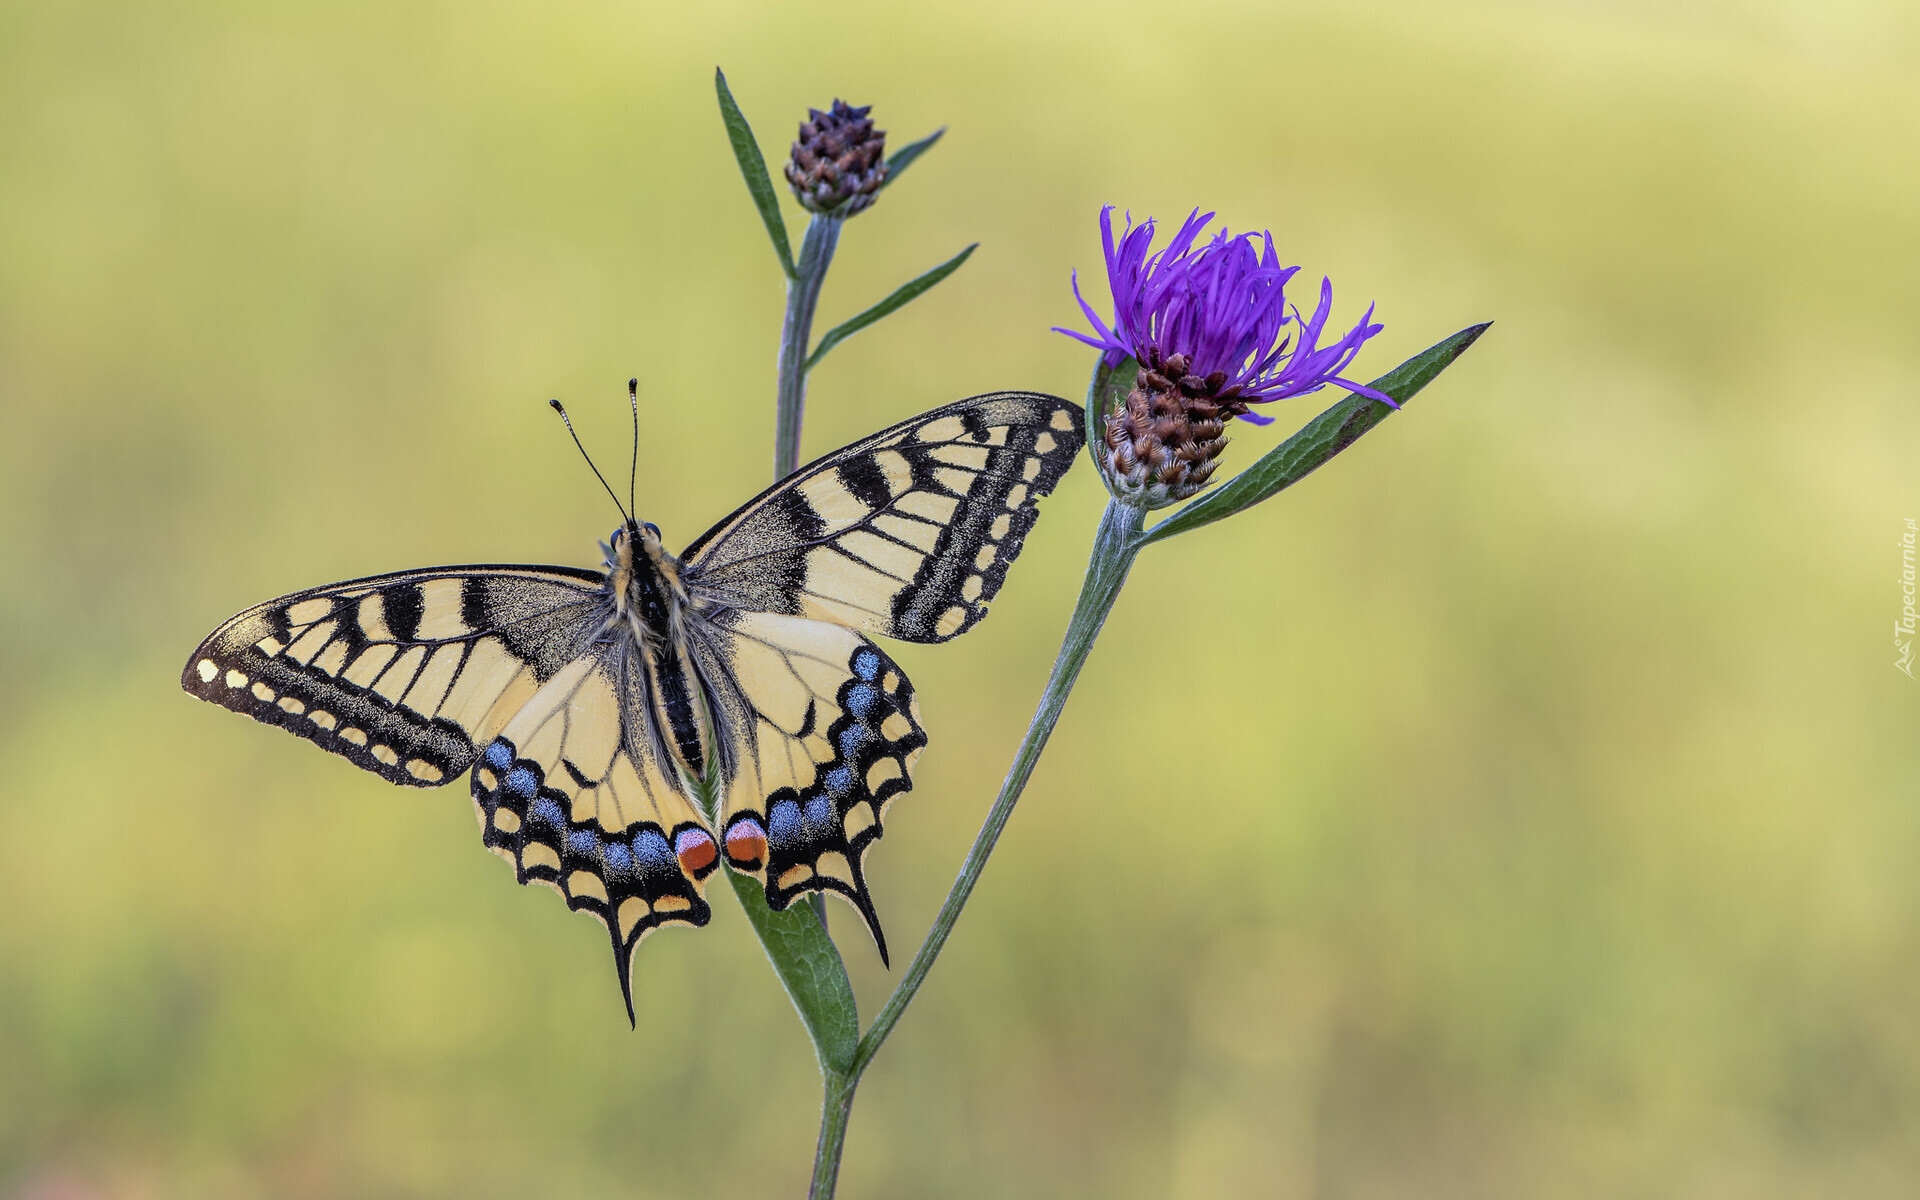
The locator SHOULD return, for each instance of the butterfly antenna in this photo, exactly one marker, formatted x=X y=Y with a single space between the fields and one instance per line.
x=633 y=401
x=596 y=470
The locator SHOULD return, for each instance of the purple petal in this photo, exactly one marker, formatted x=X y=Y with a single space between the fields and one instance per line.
x=1222 y=303
x=1106 y=335
x=1077 y=336
x=1361 y=389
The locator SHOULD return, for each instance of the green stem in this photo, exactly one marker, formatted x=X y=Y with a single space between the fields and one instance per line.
x=803 y=293
x=1114 y=548
x=835 y=1107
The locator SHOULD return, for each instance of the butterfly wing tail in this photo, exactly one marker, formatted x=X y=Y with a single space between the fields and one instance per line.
x=825 y=730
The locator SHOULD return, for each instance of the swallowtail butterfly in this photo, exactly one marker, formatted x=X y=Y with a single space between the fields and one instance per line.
x=585 y=704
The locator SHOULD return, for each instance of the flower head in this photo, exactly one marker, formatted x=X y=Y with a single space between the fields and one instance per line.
x=1213 y=331
x=838 y=160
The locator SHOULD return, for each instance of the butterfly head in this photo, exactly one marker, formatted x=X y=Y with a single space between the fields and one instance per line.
x=644 y=579
x=633 y=542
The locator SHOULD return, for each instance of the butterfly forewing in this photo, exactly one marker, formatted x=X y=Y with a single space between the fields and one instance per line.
x=401 y=674
x=906 y=534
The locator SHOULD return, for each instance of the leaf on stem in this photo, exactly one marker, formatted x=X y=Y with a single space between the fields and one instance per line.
x=905 y=292
x=753 y=169
x=809 y=968
x=1103 y=390
x=1319 y=440
x=901 y=159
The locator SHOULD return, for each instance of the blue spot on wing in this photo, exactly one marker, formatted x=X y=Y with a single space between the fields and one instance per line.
x=619 y=859
x=582 y=841
x=851 y=740
x=545 y=812
x=819 y=818
x=499 y=755
x=861 y=698
x=521 y=782
x=653 y=853
x=783 y=823
x=866 y=664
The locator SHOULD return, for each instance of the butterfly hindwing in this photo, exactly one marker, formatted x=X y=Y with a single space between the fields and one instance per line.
x=400 y=674
x=575 y=792
x=825 y=730
x=905 y=534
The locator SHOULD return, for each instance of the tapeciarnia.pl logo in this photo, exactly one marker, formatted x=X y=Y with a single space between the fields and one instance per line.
x=1903 y=628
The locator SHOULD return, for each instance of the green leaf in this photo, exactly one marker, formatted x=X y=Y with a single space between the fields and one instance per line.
x=753 y=169
x=809 y=968
x=905 y=292
x=1107 y=384
x=1319 y=440
x=901 y=159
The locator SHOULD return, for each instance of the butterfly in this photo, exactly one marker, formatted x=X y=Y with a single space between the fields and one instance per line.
x=595 y=709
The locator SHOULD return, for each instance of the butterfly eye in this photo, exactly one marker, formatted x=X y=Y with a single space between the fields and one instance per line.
x=651 y=528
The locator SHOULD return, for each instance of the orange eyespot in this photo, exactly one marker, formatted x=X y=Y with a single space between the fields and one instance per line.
x=746 y=844
x=695 y=850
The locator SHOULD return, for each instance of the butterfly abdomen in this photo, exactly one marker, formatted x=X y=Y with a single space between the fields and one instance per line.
x=645 y=581
x=672 y=673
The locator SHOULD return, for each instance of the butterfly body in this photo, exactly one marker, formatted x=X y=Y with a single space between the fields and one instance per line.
x=651 y=606
x=594 y=709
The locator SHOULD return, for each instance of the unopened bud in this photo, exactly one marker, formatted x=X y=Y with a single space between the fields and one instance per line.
x=839 y=160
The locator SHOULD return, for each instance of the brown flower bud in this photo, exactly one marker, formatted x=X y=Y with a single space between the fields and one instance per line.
x=839 y=160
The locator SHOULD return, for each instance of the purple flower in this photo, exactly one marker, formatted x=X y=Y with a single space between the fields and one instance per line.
x=1221 y=308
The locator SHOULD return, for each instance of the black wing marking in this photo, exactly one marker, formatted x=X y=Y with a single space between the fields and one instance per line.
x=905 y=534
x=575 y=792
x=823 y=731
x=401 y=674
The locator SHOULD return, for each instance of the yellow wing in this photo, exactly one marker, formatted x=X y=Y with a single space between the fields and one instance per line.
x=904 y=534
x=576 y=792
x=404 y=674
x=822 y=731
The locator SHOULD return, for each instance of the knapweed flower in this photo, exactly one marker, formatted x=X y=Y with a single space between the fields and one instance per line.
x=839 y=159
x=1214 y=332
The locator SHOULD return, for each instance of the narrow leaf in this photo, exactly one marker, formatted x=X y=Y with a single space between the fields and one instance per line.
x=809 y=968
x=901 y=159
x=1319 y=440
x=905 y=292
x=753 y=169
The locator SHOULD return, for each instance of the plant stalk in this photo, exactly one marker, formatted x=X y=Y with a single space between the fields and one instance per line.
x=1114 y=547
x=803 y=294
x=835 y=1107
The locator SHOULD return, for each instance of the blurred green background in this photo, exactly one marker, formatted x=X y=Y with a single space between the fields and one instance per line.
x=1524 y=806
